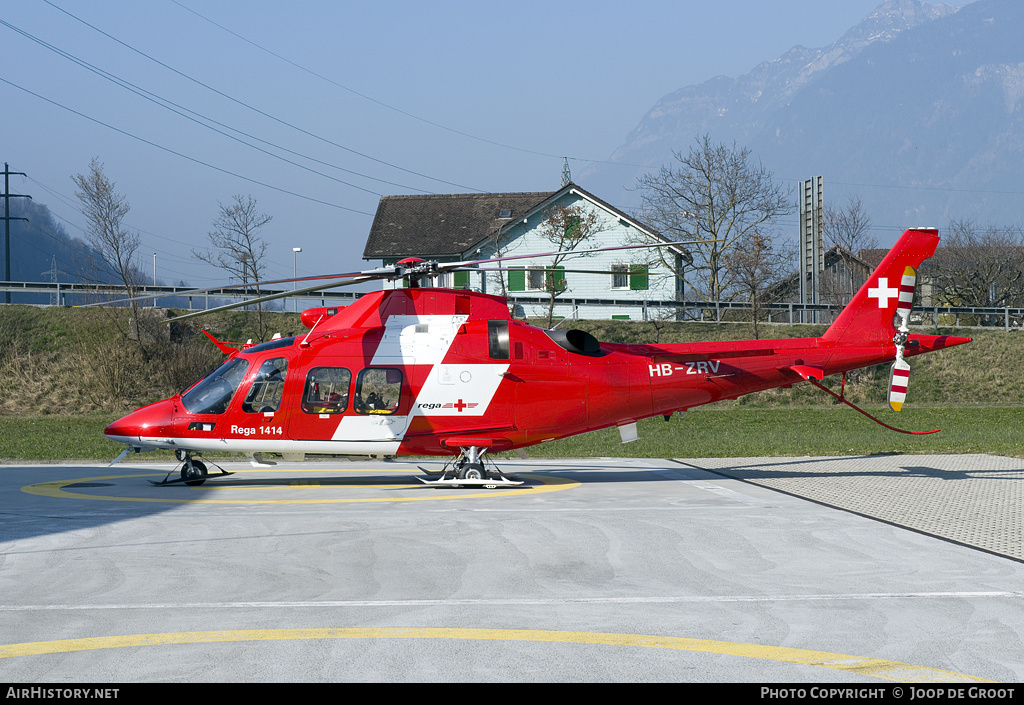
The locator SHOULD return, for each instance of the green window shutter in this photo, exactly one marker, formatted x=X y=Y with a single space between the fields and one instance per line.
x=460 y=279
x=638 y=277
x=517 y=278
x=555 y=278
x=572 y=227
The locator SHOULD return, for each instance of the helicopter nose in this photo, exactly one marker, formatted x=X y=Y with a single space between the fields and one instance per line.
x=149 y=421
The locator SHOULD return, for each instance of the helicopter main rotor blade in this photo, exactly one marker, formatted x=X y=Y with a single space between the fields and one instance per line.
x=446 y=266
x=559 y=270
x=270 y=297
x=373 y=273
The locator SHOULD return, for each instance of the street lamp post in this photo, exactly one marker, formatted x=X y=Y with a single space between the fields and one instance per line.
x=295 y=254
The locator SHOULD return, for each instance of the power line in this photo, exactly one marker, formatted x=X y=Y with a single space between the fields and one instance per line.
x=183 y=156
x=159 y=238
x=252 y=108
x=400 y=111
x=177 y=108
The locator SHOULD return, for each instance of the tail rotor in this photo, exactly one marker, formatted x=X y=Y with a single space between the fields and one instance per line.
x=899 y=376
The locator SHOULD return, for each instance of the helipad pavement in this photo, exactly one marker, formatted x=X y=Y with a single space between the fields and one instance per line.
x=595 y=570
x=973 y=500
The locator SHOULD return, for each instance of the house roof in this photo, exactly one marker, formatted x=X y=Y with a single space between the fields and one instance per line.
x=873 y=257
x=791 y=283
x=451 y=225
x=442 y=225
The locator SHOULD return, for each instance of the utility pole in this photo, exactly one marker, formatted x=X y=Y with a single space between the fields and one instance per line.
x=7 y=196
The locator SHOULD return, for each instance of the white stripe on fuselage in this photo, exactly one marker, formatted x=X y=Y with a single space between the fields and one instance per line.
x=459 y=390
x=417 y=340
x=450 y=390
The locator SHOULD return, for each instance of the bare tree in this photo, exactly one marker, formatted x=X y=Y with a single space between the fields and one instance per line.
x=238 y=247
x=565 y=227
x=714 y=193
x=979 y=266
x=500 y=246
x=104 y=210
x=755 y=265
x=849 y=227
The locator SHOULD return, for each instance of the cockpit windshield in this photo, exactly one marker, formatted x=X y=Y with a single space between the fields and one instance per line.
x=213 y=394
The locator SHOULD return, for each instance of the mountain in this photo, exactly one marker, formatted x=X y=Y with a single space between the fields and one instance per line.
x=917 y=111
x=42 y=251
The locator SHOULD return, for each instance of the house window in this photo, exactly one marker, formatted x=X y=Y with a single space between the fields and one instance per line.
x=620 y=276
x=453 y=280
x=545 y=279
x=629 y=276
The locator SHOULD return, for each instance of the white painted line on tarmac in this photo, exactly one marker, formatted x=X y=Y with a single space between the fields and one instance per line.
x=448 y=602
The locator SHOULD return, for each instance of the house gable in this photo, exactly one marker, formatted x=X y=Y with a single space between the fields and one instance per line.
x=484 y=226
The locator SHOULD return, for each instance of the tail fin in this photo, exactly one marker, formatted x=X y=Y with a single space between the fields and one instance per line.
x=868 y=318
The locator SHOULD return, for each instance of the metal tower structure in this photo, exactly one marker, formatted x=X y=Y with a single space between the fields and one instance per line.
x=7 y=196
x=812 y=244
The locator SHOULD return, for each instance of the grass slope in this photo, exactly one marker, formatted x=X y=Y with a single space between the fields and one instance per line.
x=69 y=372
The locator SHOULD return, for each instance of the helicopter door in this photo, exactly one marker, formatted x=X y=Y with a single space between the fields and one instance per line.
x=264 y=395
x=325 y=398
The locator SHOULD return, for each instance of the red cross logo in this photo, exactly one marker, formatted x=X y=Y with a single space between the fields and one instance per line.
x=460 y=406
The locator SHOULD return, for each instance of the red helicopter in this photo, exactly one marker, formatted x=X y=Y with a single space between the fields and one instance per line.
x=448 y=372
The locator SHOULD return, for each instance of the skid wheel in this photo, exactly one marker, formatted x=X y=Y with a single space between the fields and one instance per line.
x=193 y=473
x=472 y=471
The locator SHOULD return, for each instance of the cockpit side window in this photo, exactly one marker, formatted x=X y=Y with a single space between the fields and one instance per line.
x=268 y=384
x=213 y=394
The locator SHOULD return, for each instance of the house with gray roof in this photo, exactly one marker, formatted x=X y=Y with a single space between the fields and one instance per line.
x=473 y=226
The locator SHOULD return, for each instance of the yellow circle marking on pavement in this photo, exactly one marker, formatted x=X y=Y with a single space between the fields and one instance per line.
x=862 y=667
x=55 y=488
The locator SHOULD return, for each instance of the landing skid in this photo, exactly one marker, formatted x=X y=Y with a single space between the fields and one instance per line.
x=491 y=484
x=467 y=470
x=192 y=472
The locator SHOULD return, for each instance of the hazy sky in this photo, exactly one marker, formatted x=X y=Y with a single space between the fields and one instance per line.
x=346 y=102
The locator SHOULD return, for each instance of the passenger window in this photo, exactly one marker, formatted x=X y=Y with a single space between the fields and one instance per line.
x=326 y=390
x=378 y=391
x=265 y=393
